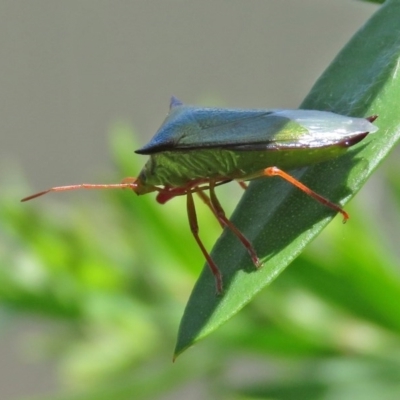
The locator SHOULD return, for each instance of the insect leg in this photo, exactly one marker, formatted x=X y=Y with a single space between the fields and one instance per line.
x=274 y=171
x=194 y=227
x=207 y=201
x=220 y=213
x=243 y=185
x=167 y=193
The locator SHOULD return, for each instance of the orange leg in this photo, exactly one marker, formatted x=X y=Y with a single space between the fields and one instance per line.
x=274 y=171
x=220 y=213
x=194 y=227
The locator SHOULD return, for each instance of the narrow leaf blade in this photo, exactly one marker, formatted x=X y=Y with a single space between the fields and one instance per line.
x=278 y=219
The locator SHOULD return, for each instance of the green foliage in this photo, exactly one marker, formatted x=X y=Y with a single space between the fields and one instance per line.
x=110 y=277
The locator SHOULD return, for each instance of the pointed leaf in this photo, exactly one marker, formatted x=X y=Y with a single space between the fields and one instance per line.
x=277 y=218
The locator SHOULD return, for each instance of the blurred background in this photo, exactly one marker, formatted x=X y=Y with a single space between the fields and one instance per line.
x=71 y=69
x=92 y=285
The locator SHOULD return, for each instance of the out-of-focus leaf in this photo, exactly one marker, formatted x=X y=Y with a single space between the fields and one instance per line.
x=347 y=378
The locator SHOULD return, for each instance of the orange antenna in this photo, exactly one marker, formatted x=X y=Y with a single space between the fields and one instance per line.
x=124 y=185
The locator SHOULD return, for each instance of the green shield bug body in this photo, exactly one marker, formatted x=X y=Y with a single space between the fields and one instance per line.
x=197 y=149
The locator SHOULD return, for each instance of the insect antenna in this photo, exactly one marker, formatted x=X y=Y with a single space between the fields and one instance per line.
x=129 y=183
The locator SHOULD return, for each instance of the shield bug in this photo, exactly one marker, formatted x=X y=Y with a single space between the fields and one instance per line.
x=197 y=149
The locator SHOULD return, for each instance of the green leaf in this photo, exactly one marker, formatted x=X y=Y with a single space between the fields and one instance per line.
x=278 y=219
